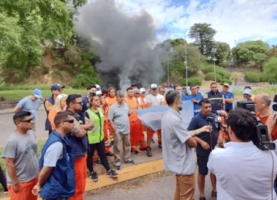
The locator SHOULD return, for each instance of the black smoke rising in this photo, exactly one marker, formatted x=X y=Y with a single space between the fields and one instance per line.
x=125 y=43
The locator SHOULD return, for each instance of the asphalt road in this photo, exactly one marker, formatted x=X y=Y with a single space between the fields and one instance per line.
x=159 y=188
x=7 y=125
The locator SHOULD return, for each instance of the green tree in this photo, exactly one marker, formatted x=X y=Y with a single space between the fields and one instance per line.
x=270 y=70
x=251 y=51
x=173 y=53
x=30 y=24
x=222 y=52
x=203 y=36
x=272 y=51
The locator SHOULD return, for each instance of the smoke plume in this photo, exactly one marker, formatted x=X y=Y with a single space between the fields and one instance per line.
x=125 y=43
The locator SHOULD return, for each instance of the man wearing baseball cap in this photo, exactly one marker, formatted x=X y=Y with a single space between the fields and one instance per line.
x=56 y=89
x=30 y=103
x=228 y=96
x=153 y=99
x=247 y=94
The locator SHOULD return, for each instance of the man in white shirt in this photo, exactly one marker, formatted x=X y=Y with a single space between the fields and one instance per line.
x=178 y=144
x=153 y=99
x=242 y=170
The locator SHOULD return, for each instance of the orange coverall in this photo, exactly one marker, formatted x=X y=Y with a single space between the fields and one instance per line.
x=135 y=125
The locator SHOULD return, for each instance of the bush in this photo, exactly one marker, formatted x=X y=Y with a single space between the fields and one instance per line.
x=263 y=77
x=225 y=81
x=195 y=80
x=192 y=80
x=86 y=75
x=208 y=68
x=253 y=77
x=210 y=77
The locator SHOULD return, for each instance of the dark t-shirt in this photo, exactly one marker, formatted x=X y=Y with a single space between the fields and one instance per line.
x=199 y=121
x=79 y=145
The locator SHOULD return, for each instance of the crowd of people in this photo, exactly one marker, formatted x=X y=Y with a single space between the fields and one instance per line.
x=104 y=123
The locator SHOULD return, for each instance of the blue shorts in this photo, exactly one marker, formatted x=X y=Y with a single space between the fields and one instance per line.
x=202 y=164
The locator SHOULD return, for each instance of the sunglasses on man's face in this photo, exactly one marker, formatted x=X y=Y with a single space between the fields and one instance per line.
x=81 y=103
x=71 y=121
x=28 y=120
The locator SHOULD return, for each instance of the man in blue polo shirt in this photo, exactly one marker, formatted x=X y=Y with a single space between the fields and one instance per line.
x=228 y=96
x=195 y=97
x=206 y=141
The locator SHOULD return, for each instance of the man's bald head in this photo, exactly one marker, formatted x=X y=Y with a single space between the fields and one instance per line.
x=263 y=98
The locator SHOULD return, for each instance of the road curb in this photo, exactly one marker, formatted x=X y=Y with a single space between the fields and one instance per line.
x=125 y=174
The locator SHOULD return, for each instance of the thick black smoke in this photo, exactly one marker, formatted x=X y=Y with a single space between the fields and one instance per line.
x=125 y=43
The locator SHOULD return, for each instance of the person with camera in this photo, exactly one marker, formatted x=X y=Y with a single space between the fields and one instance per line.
x=242 y=170
x=178 y=144
x=265 y=114
x=206 y=141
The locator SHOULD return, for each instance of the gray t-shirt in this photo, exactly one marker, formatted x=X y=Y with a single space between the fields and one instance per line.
x=53 y=153
x=23 y=148
x=27 y=104
x=119 y=115
x=177 y=155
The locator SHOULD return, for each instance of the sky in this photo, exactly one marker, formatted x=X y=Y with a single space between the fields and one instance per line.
x=234 y=20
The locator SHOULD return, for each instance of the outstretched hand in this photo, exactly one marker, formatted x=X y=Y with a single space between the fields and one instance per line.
x=207 y=128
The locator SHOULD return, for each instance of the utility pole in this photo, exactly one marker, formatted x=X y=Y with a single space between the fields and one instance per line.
x=186 y=62
x=214 y=59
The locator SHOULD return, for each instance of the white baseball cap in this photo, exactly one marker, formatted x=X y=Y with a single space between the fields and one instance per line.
x=153 y=86
x=98 y=93
x=142 y=90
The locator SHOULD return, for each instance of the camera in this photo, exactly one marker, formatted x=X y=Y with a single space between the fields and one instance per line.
x=261 y=138
x=218 y=123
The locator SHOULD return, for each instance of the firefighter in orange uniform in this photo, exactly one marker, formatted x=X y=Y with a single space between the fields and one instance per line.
x=109 y=101
x=135 y=125
x=142 y=104
x=106 y=135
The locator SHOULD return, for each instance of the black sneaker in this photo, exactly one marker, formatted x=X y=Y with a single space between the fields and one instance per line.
x=97 y=162
x=160 y=146
x=117 y=167
x=129 y=161
x=112 y=173
x=94 y=176
x=109 y=154
x=149 y=152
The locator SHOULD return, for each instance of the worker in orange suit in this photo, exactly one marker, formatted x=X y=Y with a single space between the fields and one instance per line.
x=109 y=101
x=106 y=135
x=222 y=134
x=140 y=95
x=135 y=125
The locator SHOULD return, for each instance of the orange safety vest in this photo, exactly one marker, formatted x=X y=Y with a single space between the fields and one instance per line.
x=143 y=103
x=103 y=110
x=109 y=101
x=133 y=105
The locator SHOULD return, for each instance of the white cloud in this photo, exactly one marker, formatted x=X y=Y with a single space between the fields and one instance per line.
x=234 y=20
